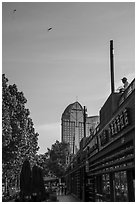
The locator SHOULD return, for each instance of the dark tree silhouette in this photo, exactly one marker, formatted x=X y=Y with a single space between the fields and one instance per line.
x=38 y=189
x=25 y=181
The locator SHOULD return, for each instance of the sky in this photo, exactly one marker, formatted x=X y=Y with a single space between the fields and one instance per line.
x=71 y=61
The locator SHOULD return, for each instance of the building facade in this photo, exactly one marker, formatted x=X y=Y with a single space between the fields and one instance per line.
x=91 y=124
x=103 y=170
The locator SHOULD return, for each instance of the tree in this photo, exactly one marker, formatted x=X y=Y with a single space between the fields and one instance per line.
x=53 y=162
x=18 y=134
x=57 y=158
x=25 y=180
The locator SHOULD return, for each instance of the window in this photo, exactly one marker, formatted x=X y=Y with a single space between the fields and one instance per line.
x=120 y=186
x=106 y=184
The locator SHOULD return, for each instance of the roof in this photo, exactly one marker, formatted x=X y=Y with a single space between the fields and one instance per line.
x=66 y=113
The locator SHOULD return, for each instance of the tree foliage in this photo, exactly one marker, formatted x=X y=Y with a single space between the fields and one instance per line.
x=54 y=160
x=18 y=134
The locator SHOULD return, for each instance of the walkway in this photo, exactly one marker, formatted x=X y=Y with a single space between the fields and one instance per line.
x=67 y=198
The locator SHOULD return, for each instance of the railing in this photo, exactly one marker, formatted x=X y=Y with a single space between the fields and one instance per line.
x=127 y=92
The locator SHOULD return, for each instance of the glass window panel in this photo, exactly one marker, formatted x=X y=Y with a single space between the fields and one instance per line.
x=106 y=187
x=121 y=190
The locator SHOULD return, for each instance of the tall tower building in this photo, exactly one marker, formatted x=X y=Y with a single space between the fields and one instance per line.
x=73 y=126
x=72 y=122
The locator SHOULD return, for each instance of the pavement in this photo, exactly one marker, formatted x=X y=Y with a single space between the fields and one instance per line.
x=61 y=198
x=67 y=198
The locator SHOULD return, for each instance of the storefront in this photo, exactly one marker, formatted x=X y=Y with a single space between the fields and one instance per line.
x=104 y=169
x=112 y=168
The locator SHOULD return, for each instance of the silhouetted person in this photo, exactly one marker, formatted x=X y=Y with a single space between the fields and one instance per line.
x=125 y=82
x=62 y=188
x=65 y=189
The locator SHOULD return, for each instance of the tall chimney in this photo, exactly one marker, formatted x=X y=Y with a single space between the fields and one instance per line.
x=112 y=66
